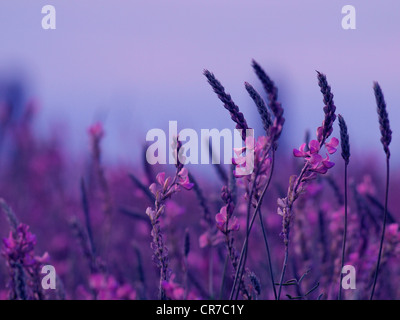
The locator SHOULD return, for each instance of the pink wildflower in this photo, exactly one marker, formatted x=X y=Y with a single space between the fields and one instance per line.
x=223 y=218
x=318 y=164
x=183 y=179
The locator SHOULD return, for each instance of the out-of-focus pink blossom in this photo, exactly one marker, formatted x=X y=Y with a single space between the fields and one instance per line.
x=174 y=291
x=314 y=188
x=106 y=287
x=207 y=239
x=172 y=209
x=366 y=187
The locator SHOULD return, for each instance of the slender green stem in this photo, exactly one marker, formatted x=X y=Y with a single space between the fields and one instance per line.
x=250 y=227
x=271 y=273
x=247 y=234
x=221 y=289
x=383 y=229
x=285 y=261
x=243 y=253
x=161 y=291
x=185 y=277
x=210 y=273
x=295 y=190
x=244 y=249
x=345 y=231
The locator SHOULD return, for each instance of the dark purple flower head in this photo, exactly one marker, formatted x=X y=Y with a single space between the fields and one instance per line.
x=273 y=104
x=344 y=140
x=326 y=129
x=226 y=99
x=261 y=107
x=386 y=133
x=270 y=89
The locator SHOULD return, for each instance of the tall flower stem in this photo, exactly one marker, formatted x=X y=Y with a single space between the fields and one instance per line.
x=242 y=254
x=211 y=273
x=243 y=264
x=271 y=273
x=344 y=232
x=285 y=261
x=345 y=144
x=383 y=228
x=221 y=289
x=287 y=227
x=386 y=138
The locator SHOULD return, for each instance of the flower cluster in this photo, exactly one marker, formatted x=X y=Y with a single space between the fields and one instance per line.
x=314 y=162
x=226 y=224
x=18 y=250
x=162 y=191
x=256 y=154
x=106 y=287
x=20 y=245
x=174 y=291
x=165 y=188
x=181 y=180
x=244 y=155
x=225 y=221
x=317 y=164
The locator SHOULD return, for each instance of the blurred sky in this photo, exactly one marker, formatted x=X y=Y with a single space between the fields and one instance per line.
x=138 y=64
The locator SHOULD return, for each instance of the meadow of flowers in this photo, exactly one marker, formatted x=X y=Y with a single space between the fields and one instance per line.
x=165 y=232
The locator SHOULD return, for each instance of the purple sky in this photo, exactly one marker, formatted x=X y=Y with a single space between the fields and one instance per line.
x=138 y=64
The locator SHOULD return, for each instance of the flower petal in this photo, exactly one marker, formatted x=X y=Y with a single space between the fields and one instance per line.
x=313 y=146
x=300 y=153
x=331 y=145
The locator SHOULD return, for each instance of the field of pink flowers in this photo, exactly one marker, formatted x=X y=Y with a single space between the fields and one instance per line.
x=164 y=232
